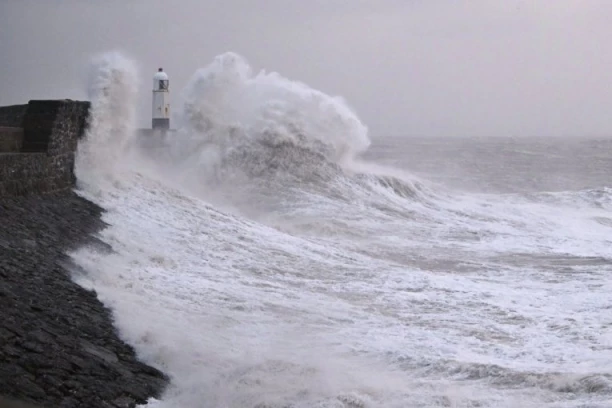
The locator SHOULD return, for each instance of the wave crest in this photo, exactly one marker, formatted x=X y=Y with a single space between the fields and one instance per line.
x=226 y=105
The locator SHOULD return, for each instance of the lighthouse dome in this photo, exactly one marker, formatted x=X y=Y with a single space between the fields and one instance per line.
x=160 y=81
x=160 y=75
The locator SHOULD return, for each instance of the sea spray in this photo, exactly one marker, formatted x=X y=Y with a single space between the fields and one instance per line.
x=227 y=94
x=112 y=90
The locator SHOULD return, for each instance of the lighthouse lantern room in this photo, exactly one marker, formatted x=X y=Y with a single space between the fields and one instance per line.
x=161 y=104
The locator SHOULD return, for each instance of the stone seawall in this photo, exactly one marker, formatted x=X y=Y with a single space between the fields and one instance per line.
x=44 y=162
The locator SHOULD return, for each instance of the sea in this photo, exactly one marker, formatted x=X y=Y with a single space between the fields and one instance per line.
x=270 y=253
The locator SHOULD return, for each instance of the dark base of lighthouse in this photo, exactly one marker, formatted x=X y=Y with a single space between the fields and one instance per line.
x=161 y=124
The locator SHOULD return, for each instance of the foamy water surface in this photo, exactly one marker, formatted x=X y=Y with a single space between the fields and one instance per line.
x=260 y=262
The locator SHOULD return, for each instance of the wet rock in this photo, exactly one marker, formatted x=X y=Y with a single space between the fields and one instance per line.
x=100 y=352
x=29 y=243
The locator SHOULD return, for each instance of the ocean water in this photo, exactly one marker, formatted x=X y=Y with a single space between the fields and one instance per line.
x=270 y=254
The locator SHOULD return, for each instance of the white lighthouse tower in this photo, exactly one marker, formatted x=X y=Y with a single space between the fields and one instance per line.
x=161 y=101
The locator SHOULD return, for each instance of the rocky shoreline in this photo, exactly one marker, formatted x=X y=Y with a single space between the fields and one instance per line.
x=58 y=346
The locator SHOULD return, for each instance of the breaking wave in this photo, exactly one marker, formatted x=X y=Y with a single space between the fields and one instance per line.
x=261 y=142
x=226 y=104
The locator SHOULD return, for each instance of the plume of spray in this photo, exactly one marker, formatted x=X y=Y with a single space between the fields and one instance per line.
x=227 y=94
x=226 y=105
x=112 y=90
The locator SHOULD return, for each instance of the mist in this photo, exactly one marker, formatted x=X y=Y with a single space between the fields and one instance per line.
x=426 y=68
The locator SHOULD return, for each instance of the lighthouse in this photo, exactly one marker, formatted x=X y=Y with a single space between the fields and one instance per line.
x=161 y=101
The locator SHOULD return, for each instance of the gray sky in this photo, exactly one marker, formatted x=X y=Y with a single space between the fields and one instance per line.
x=408 y=67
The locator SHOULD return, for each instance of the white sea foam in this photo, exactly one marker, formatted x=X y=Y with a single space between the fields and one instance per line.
x=258 y=263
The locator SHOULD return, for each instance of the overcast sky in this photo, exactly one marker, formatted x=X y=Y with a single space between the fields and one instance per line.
x=407 y=67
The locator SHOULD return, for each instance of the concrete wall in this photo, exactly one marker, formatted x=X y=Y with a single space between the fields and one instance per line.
x=45 y=162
